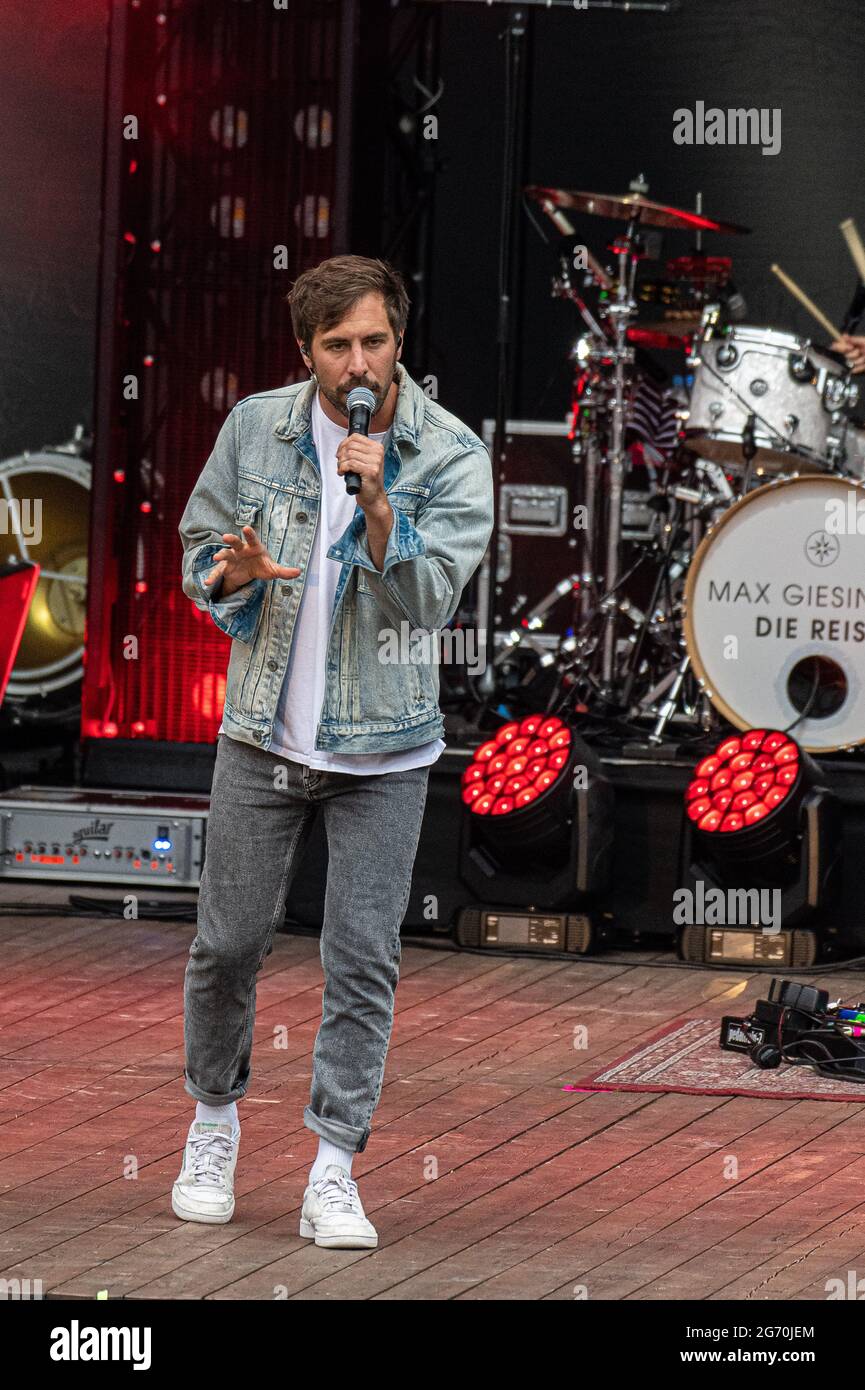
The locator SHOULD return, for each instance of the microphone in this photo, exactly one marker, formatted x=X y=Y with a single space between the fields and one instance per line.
x=361 y=404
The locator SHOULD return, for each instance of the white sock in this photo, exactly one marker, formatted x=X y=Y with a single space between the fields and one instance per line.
x=329 y=1153
x=218 y=1114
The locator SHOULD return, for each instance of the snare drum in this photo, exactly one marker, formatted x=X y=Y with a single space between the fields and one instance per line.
x=775 y=610
x=790 y=387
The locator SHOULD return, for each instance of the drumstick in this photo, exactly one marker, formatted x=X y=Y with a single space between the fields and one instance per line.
x=854 y=244
x=805 y=301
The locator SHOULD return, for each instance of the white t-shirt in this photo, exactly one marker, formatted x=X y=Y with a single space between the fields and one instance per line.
x=299 y=706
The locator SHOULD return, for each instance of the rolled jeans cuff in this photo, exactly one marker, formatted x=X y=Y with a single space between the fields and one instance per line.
x=335 y=1132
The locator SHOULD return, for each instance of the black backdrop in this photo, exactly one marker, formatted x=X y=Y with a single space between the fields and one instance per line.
x=603 y=90
x=52 y=64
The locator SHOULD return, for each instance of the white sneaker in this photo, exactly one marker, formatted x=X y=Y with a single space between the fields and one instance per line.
x=332 y=1213
x=204 y=1190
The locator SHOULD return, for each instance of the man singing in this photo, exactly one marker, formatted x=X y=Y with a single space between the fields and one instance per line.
x=313 y=585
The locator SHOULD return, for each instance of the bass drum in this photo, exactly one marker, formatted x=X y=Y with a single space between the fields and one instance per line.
x=775 y=611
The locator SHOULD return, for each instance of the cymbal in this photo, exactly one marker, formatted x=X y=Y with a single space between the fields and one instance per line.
x=631 y=205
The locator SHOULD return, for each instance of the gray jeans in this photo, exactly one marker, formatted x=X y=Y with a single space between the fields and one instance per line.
x=257 y=829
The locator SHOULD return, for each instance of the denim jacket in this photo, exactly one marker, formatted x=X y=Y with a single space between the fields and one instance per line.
x=264 y=472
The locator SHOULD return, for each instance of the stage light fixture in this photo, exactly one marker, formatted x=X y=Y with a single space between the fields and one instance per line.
x=537 y=833
x=758 y=816
x=521 y=782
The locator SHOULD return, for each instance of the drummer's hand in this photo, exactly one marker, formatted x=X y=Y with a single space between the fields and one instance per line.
x=853 y=348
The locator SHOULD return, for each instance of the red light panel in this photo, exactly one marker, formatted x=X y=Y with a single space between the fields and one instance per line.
x=743 y=781
x=237 y=150
x=512 y=770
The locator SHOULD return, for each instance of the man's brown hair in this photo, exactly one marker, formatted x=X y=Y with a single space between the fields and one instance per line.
x=322 y=296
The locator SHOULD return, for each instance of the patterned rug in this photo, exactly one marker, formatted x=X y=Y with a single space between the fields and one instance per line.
x=685 y=1056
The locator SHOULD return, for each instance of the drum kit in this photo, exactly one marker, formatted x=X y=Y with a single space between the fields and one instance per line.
x=722 y=565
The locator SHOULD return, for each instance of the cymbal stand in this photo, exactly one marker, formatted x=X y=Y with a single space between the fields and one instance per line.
x=588 y=408
x=620 y=310
x=664 y=561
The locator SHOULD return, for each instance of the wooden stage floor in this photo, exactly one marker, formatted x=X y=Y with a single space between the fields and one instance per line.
x=484 y=1178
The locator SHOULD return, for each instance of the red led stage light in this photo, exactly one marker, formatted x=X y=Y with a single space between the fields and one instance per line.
x=743 y=782
x=759 y=815
x=526 y=759
x=538 y=821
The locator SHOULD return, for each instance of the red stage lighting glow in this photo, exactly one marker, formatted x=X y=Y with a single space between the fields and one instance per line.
x=743 y=781
x=208 y=694
x=513 y=769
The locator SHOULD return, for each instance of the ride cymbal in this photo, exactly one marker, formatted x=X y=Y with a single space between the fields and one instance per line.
x=627 y=206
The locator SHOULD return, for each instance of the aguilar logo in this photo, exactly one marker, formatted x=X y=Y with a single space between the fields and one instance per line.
x=96 y=830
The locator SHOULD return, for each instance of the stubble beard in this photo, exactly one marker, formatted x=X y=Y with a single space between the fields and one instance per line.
x=338 y=401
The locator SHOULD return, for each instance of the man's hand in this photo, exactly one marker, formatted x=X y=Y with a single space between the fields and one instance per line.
x=853 y=348
x=358 y=454
x=245 y=559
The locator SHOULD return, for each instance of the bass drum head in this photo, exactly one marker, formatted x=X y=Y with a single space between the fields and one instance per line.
x=775 y=611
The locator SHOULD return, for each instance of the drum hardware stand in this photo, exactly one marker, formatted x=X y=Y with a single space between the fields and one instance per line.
x=651 y=616
x=585 y=441
x=717 y=480
x=535 y=620
x=709 y=320
x=621 y=311
x=588 y=577
x=749 y=449
x=838 y=450
x=586 y=451
x=836 y=447
x=668 y=709
x=655 y=742
x=525 y=640
x=563 y=288
x=582 y=647
x=649 y=704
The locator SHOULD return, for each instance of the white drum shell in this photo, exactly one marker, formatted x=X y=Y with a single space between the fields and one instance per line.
x=791 y=415
x=771 y=585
